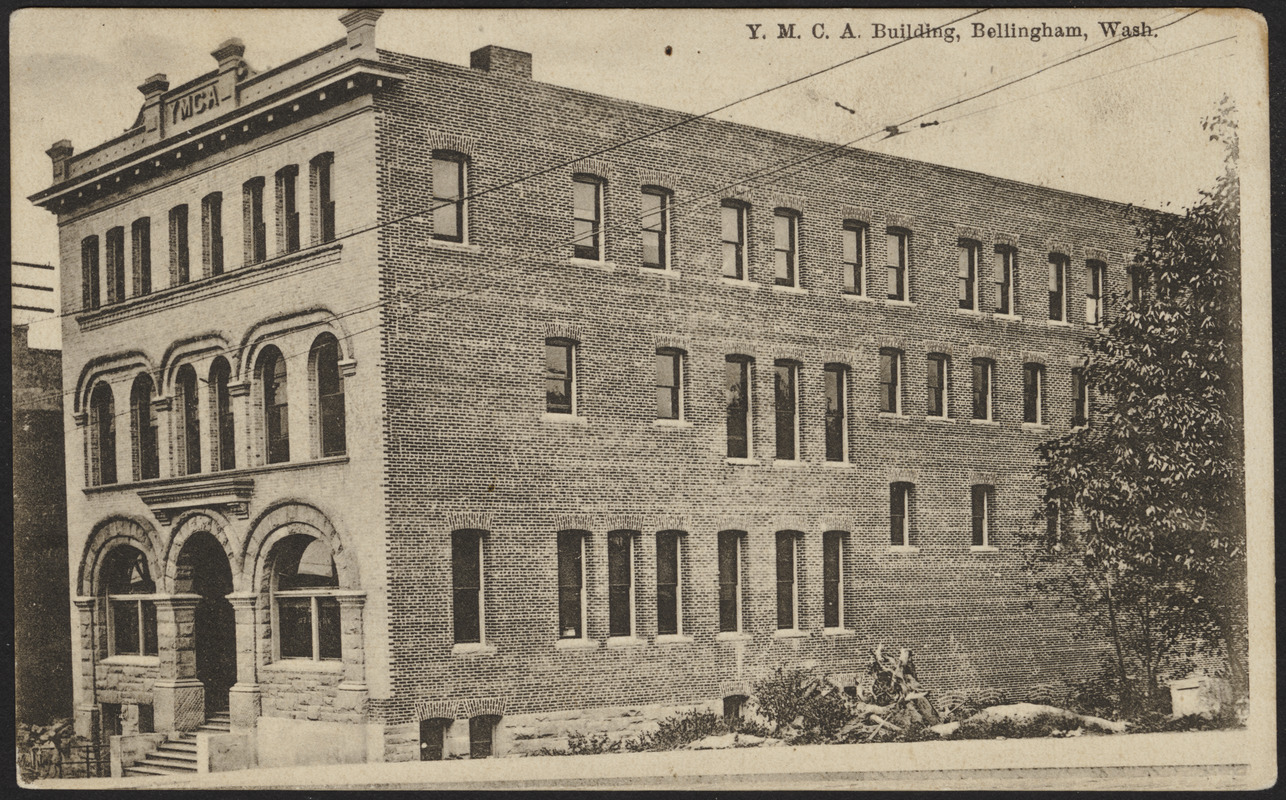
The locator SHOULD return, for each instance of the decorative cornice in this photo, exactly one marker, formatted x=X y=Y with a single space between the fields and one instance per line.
x=168 y=500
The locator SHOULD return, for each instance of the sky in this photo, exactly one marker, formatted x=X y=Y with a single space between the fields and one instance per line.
x=1122 y=122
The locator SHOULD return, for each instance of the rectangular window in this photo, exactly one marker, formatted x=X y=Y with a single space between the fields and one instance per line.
x=669 y=384
x=466 y=575
x=785 y=235
x=295 y=627
x=982 y=388
x=737 y=387
x=180 y=269
x=587 y=218
x=937 y=385
x=115 y=247
x=89 y=273
x=432 y=738
x=1004 y=279
x=899 y=513
x=448 y=197
x=890 y=367
x=481 y=736
x=256 y=234
x=287 y=210
x=854 y=258
x=898 y=246
x=786 y=387
x=729 y=582
x=1057 y=283
x=982 y=496
x=669 y=598
x=1033 y=393
x=560 y=387
x=836 y=413
x=733 y=233
x=571 y=585
x=321 y=170
x=787 y=598
x=141 y=255
x=620 y=584
x=967 y=273
x=1080 y=399
x=1140 y=287
x=833 y=579
x=212 y=233
x=656 y=224
x=1094 y=292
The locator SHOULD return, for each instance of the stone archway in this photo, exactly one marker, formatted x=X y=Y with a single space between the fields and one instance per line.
x=202 y=569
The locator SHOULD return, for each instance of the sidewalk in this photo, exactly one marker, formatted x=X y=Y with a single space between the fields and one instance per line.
x=1207 y=760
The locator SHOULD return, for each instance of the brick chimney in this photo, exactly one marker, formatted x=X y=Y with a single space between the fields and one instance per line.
x=60 y=154
x=360 y=23
x=153 y=88
x=502 y=61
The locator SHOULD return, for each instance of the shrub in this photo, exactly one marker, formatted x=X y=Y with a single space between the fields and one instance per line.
x=800 y=699
x=1041 y=725
x=579 y=744
x=680 y=730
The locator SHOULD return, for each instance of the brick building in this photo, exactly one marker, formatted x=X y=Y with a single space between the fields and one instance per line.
x=424 y=409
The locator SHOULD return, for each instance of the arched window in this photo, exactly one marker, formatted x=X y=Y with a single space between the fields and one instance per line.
x=190 y=420
x=330 y=395
x=225 y=456
x=146 y=463
x=102 y=431
x=126 y=585
x=276 y=418
x=307 y=612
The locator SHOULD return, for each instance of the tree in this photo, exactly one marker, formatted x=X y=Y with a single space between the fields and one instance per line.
x=1156 y=481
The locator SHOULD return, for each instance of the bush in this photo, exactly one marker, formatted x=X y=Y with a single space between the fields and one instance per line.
x=799 y=699
x=680 y=730
x=578 y=744
x=1039 y=726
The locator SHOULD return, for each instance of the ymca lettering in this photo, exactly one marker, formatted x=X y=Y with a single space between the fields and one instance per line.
x=191 y=105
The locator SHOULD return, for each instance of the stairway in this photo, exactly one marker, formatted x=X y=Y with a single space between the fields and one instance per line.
x=177 y=754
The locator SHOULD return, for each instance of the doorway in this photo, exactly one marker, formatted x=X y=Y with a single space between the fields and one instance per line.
x=203 y=569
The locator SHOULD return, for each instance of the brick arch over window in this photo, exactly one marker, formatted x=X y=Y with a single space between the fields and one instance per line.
x=286 y=519
x=110 y=534
x=101 y=368
x=281 y=331
x=194 y=522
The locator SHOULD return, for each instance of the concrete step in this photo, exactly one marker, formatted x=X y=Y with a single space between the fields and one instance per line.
x=143 y=769
x=159 y=759
x=181 y=746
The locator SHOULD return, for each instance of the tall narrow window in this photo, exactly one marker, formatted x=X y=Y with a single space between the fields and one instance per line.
x=785 y=247
x=115 y=248
x=729 y=581
x=1094 y=271
x=833 y=579
x=890 y=374
x=587 y=217
x=982 y=502
x=89 y=277
x=482 y=731
x=669 y=384
x=854 y=258
x=466 y=578
x=786 y=392
x=276 y=408
x=656 y=224
x=669 y=596
x=1057 y=285
x=1080 y=399
x=937 y=385
x=330 y=395
x=571 y=585
x=620 y=583
x=225 y=432
x=1003 y=279
x=180 y=267
x=967 y=273
x=448 y=197
x=146 y=465
x=287 y=209
x=1033 y=393
x=1140 y=287
x=321 y=177
x=787 y=584
x=982 y=386
x=433 y=738
x=141 y=255
x=190 y=419
x=898 y=246
x=737 y=392
x=560 y=386
x=899 y=514
x=131 y=613
x=836 y=379
x=212 y=233
x=732 y=228
x=102 y=421
x=255 y=231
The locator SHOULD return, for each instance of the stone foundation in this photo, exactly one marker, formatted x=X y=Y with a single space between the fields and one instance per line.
x=283 y=742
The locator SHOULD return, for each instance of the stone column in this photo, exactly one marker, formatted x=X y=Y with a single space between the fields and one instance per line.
x=352 y=693
x=164 y=441
x=179 y=698
x=244 y=698
x=242 y=425
x=86 y=708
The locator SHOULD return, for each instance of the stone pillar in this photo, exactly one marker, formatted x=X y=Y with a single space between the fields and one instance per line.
x=60 y=154
x=352 y=693
x=243 y=426
x=164 y=442
x=179 y=698
x=244 y=698
x=153 y=89
x=86 y=720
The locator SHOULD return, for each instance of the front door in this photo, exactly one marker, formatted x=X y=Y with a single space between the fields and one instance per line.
x=215 y=631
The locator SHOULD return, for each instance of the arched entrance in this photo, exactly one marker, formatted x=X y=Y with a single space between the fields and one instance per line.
x=203 y=569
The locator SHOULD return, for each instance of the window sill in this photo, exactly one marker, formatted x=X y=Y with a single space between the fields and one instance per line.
x=941 y=420
x=458 y=247
x=845 y=464
x=575 y=644
x=908 y=549
x=304 y=665
x=787 y=463
x=986 y=423
x=1035 y=427
x=673 y=638
x=131 y=661
x=983 y=548
x=742 y=462
x=563 y=419
x=660 y=272
x=969 y=312
x=838 y=632
x=672 y=423
x=602 y=266
x=1075 y=428
x=899 y=303
x=789 y=633
x=203 y=477
x=780 y=289
x=738 y=283
x=856 y=298
x=1057 y=323
x=625 y=641
x=1007 y=317
x=473 y=649
x=732 y=636
x=888 y=416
